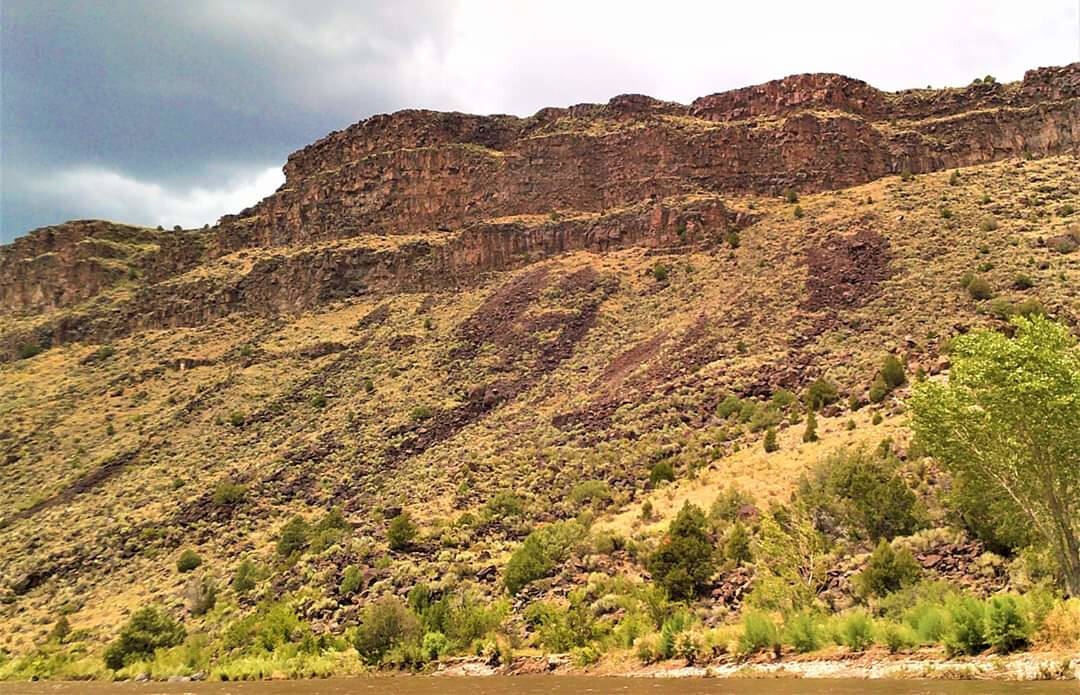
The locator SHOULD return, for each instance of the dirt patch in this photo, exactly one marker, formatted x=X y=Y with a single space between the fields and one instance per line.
x=846 y=271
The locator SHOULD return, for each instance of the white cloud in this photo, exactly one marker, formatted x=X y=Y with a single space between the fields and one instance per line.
x=103 y=193
x=518 y=56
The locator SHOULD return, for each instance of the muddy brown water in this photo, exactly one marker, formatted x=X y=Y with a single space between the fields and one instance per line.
x=551 y=685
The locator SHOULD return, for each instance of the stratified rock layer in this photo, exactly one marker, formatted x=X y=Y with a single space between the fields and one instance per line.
x=421 y=200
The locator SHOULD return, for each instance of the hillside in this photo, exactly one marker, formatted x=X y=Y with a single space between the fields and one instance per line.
x=436 y=311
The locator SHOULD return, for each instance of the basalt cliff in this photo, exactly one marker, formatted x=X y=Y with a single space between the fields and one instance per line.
x=419 y=200
x=495 y=323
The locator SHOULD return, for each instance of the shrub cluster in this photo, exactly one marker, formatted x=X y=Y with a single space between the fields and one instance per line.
x=541 y=553
x=148 y=629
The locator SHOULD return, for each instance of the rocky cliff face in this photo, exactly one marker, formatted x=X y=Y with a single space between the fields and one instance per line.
x=420 y=199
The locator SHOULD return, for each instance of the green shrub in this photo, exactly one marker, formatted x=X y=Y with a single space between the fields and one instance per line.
x=759 y=634
x=201 y=595
x=562 y=628
x=541 y=552
x=28 y=350
x=236 y=419
x=892 y=371
x=878 y=390
x=929 y=623
x=679 y=622
x=351 y=581
x=229 y=494
x=801 y=631
x=965 y=627
x=188 y=561
x=730 y=405
x=897 y=637
x=505 y=505
x=660 y=272
x=954 y=179
x=685 y=561
x=384 y=625
x=148 y=630
x=590 y=492
x=647 y=511
x=791 y=196
x=799 y=214
x=422 y=412
x=662 y=471
x=401 y=532
x=245 y=578
x=1007 y=627
x=434 y=645
x=782 y=398
x=857 y=631
x=887 y=571
x=810 y=433
x=737 y=544
x=293 y=537
x=821 y=393
x=1029 y=308
x=946 y=213
x=979 y=289
x=770 y=442
x=863 y=493
x=733 y=239
x=765 y=417
x=59 y=631
x=728 y=504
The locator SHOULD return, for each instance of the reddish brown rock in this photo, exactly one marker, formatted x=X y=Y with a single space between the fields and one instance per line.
x=488 y=193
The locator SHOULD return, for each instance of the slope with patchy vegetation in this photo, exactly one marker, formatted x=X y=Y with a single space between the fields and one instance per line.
x=331 y=477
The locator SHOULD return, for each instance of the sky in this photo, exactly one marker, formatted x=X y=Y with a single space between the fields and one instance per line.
x=166 y=112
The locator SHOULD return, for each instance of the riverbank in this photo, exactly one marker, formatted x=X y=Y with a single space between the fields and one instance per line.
x=872 y=664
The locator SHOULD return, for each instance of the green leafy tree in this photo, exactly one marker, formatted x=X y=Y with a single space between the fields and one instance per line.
x=789 y=556
x=686 y=559
x=1008 y=422
x=149 y=629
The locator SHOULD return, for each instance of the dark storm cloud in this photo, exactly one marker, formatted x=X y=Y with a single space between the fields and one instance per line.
x=186 y=94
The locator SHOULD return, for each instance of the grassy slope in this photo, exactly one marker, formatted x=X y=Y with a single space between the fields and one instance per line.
x=725 y=320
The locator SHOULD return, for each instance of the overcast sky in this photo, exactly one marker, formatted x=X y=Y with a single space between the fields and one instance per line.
x=176 y=112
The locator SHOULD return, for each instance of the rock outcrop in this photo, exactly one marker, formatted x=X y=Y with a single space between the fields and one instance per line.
x=418 y=200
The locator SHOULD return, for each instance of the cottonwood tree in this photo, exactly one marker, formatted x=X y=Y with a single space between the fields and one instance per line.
x=1008 y=421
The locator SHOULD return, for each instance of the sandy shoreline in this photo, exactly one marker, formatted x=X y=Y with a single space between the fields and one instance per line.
x=1025 y=666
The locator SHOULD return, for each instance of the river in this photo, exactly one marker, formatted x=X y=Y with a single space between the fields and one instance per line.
x=551 y=685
